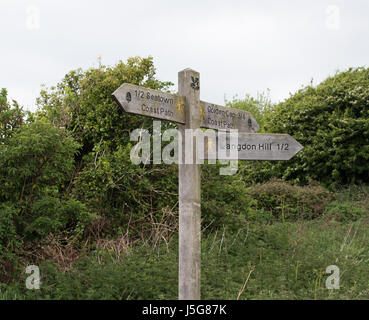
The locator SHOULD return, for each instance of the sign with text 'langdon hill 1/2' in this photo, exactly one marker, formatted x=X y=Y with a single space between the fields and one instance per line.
x=251 y=146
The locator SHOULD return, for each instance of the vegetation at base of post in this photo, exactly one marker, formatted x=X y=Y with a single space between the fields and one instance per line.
x=289 y=260
x=100 y=227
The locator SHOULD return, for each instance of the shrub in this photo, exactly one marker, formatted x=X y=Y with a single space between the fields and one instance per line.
x=50 y=215
x=331 y=121
x=223 y=199
x=118 y=192
x=36 y=160
x=286 y=201
x=8 y=234
x=36 y=163
x=11 y=116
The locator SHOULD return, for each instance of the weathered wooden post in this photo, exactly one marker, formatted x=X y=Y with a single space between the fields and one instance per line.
x=189 y=112
x=189 y=192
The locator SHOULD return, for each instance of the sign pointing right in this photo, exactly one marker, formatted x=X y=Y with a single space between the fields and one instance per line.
x=254 y=146
x=217 y=117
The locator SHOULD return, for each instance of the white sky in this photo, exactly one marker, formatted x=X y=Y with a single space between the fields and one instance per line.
x=238 y=47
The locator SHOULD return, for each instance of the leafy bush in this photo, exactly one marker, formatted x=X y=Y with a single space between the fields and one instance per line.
x=122 y=193
x=119 y=192
x=11 y=116
x=82 y=103
x=257 y=106
x=331 y=121
x=36 y=164
x=37 y=159
x=51 y=215
x=8 y=234
x=224 y=202
x=286 y=201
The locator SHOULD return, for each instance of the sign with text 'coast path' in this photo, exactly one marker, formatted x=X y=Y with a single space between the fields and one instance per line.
x=190 y=113
x=156 y=104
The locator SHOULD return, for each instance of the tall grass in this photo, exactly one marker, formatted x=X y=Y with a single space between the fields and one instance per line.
x=286 y=259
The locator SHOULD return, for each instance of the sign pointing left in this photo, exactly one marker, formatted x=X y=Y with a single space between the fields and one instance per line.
x=149 y=102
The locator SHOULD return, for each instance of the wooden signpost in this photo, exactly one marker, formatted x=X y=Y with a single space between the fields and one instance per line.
x=189 y=112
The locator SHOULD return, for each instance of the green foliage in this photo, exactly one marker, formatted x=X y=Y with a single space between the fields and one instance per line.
x=11 y=116
x=345 y=211
x=138 y=275
x=52 y=215
x=257 y=106
x=122 y=193
x=224 y=202
x=69 y=173
x=331 y=121
x=82 y=102
x=8 y=235
x=285 y=260
x=36 y=163
x=286 y=201
x=354 y=193
x=106 y=180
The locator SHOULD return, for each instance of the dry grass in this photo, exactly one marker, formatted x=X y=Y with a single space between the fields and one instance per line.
x=115 y=247
x=60 y=249
x=158 y=228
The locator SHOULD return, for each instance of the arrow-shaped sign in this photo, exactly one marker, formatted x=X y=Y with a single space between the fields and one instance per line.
x=218 y=117
x=252 y=146
x=166 y=106
x=151 y=103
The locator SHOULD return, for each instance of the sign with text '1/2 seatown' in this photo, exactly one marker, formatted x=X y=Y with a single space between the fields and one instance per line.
x=166 y=106
x=151 y=103
x=252 y=146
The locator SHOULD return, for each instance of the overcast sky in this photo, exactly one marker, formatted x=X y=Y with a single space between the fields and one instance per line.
x=238 y=47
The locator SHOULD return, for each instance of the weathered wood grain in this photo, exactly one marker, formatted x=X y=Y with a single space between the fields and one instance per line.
x=189 y=193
